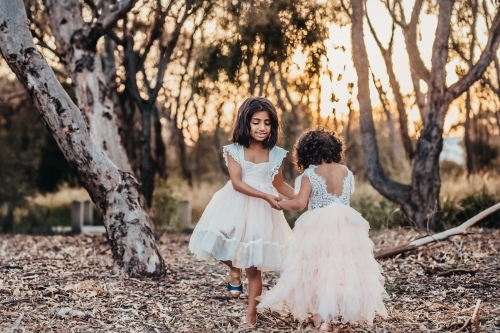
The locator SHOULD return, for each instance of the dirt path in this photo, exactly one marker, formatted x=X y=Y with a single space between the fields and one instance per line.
x=66 y=284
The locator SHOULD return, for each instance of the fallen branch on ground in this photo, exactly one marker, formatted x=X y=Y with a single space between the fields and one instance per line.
x=433 y=238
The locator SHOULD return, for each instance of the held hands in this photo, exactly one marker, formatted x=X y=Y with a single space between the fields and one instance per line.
x=273 y=201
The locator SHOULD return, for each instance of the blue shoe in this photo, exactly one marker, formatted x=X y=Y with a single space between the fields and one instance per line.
x=234 y=284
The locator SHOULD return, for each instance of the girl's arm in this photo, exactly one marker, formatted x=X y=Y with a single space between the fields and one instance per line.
x=300 y=202
x=282 y=187
x=235 y=174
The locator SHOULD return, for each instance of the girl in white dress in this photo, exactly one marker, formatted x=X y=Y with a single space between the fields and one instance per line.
x=329 y=271
x=243 y=225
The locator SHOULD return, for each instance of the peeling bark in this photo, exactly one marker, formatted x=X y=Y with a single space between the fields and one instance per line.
x=76 y=42
x=115 y=192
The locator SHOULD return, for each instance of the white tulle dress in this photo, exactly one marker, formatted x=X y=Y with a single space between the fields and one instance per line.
x=330 y=269
x=241 y=228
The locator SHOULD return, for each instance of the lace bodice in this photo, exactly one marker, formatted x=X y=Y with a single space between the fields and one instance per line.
x=320 y=197
x=256 y=172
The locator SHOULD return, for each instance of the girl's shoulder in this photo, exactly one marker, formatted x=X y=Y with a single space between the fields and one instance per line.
x=235 y=150
x=278 y=153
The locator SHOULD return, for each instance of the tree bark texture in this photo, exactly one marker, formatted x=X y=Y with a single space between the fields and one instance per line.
x=115 y=192
x=76 y=42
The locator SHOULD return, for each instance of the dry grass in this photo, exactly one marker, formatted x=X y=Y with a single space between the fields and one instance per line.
x=461 y=186
x=66 y=284
x=62 y=197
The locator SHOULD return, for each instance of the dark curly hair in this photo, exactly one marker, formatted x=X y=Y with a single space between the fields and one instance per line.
x=241 y=127
x=317 y=145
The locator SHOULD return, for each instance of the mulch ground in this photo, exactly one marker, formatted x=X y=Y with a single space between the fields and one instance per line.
x=67 y=284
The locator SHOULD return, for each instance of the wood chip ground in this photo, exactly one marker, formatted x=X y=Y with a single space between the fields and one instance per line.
x=67 y=284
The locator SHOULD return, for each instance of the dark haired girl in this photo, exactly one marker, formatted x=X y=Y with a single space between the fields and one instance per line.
x=330 y=271
x=243 y=225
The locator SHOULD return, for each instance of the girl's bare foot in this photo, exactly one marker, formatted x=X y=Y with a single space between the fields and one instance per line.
x=249 y=322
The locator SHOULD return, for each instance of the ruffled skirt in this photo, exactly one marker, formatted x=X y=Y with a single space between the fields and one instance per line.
x=330 y=269
x=242 y=229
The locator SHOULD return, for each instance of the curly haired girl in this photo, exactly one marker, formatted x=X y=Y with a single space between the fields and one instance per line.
x=329 y=271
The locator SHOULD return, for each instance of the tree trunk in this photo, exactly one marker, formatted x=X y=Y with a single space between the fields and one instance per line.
x=426 y=179
x=115 y=192
x=218 y=147
x=160 y=148
x=467 y=134
x=147 y=170
x=390 y=123
x=76 y=42
x=181 y=146
x=403 y=118
x=377 y=176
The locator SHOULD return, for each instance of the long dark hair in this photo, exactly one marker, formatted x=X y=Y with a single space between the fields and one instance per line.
x=241 y=127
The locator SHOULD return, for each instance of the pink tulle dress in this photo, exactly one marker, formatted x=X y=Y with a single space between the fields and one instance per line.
x=241 y=228
x=330 y=269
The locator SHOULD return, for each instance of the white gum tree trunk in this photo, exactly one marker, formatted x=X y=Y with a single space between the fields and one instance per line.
x=115 y=192
x=76 y=41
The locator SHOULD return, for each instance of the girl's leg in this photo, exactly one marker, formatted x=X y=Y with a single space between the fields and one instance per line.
x=233 y=269
x=320 y=324
x=233 y=278
x=254 y=290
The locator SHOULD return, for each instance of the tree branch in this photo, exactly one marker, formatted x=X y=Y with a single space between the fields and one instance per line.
x=115 y=38
x=482 y=64
x=374 y=33
x=156 y=31
x=42 y=43
x=108 y=19
x=401 y=22
x=417 y=65
x=346 y=10
x=403 y=119
x=440 y=47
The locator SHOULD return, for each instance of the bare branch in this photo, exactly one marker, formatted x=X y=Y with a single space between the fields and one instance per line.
x=115 y=38
x=484 y=61
x=401 y=22
x=108 y=19
x=374 y=33
x=488 y=82
x=456 y=47
x=42 y=43
x=346 y=10
x=156 y=31
x=403 y=119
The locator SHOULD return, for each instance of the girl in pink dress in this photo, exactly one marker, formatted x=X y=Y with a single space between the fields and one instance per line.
x=329 y=270
x=243 y=225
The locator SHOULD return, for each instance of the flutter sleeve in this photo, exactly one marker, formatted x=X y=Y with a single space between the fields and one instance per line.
x=276 y=158
x=235 y=151
x=298 y=181
x=351 y=182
